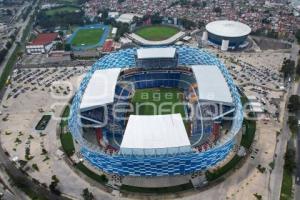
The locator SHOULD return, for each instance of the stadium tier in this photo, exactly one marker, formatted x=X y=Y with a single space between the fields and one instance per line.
x=119 y=98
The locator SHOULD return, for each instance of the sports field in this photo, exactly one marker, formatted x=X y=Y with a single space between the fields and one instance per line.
x=158 y=101
x=157 y=32
x=63 y=9
x=87 y=37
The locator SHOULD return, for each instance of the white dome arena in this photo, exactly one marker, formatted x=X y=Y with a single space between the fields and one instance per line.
x=234 y=32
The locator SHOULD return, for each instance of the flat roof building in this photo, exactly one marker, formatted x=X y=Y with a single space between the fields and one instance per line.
x=42 y=43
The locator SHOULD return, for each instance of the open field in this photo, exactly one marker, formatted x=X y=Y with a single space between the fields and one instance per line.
x=156 y=33
x=63 y=9
x=87 y=37
x=147 y=101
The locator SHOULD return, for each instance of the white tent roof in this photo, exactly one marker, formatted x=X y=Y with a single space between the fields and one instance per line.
x=147 y=53
x=257 y=109
x=257 y=104
x=100 y=89
x=127 y=17
x=212 y=85
x=155 y=131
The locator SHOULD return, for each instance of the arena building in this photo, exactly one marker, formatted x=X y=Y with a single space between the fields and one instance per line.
x=118 y=120
x=227 y=34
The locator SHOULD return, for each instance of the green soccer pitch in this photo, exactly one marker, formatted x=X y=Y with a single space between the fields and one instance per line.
x=87 y=37
x=148 y=101
x=157 y=32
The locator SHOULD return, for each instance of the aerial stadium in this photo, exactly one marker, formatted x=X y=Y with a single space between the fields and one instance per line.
x=227 y=34
x=156 y=116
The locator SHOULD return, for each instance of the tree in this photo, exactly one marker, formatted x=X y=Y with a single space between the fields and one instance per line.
x=297 y=35
x=53 y=185
x=156 y=19
x=218 y=10
x=293 y=124
x=120 y=1
x=288 y=68
x=290 y=163
x=294 y=103
x=59 y=46
x=298 y=68
x=67 y=47
x=87 y=195
x=188 y=24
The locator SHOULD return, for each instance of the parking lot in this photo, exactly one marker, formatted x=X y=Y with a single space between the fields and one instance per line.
x=25 y=102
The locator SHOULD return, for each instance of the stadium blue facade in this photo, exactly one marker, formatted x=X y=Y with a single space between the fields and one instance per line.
x=233 y=41
x=156 y=165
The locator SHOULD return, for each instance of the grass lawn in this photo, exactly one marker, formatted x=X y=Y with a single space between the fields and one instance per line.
x=68 y=1
x=164 y=97
x=87 y=37
x=248 y=137
x=156 y=33
x=67 y=143
x=42 y=124
x=226 y=168
x=164 y=190
x=287 y=186
x=99 y=178
x=63 y=9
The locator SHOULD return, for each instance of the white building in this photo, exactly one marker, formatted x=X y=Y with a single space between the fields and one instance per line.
x=128 y=18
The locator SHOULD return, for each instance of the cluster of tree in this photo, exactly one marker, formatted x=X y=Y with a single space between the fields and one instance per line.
x=80 y=2
x=87 y=195
x=266 y=33
x=8 y=45
x=60 y=19
x=293 y=124
x=294 y=103
x=122 y=27
x=187 y=24
x=121 y=1
x=193 y=3
x=201 y=4
x=297 y=35
x=288 y=68
x=3 y=53
x=156 y=18
x=293 y=107
x=218 y=10
x=9 y=12
x=53 y=185
x=289 y=158
x=26 y=13
x=298 y=68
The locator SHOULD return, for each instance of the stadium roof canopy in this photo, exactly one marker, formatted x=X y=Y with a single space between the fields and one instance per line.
x=226 y=28
x=212 y=85
x=100 y=89
x=149 y=53
x=127 y=17
x=154 y=132
x=140 y=40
